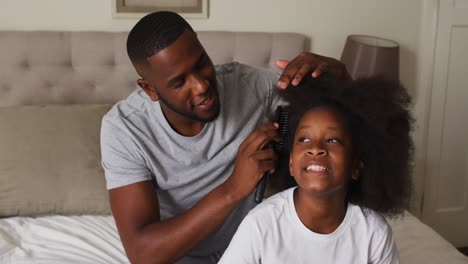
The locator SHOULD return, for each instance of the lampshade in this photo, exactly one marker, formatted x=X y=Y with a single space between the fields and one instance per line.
x=366 y=56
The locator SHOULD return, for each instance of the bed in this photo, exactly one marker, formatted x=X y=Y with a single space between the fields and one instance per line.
x=54 y=89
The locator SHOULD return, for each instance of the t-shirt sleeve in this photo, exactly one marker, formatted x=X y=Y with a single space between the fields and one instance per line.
x=122 y=160
x=384 y=249
x=245 y=246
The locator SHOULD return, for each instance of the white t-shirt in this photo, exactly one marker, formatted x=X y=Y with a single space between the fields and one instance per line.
x=273 y=233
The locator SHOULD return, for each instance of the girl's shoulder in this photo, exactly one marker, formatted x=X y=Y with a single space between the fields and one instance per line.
x=369 y=218
x=276 y=204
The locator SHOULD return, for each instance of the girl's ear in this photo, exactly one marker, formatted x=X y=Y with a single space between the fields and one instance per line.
x=357 y=169
x=149 y=89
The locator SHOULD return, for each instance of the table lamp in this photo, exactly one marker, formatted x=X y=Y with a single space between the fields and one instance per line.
x=366 y=56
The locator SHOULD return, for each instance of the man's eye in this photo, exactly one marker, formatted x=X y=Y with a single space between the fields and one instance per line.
x=178 y=83
x=333 y=140
x=304 y=139
x=201 y=63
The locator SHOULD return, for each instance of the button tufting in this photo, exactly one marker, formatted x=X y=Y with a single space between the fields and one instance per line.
x=25 y=64
x=48 y=85
x=92 y=87
x=67 y=64
x=6 y=88
x=112 y=63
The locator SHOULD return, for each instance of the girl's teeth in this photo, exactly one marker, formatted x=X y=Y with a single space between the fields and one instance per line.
x=316 y=168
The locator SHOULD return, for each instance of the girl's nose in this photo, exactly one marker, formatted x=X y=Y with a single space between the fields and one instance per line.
x=317 y=151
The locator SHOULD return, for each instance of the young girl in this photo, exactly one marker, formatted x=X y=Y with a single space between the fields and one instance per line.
x=350 y=152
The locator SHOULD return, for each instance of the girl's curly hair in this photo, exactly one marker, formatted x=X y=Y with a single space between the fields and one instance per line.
x=377 y=114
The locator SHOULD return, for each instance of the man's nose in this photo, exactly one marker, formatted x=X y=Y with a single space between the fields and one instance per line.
x=199 y=84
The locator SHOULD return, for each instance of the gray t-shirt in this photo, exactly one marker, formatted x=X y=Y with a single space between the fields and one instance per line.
x=138 y=144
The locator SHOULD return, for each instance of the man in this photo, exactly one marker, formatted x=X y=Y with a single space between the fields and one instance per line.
x=183 y=154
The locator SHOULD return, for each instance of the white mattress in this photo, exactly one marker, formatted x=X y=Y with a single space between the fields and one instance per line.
x=94 y=239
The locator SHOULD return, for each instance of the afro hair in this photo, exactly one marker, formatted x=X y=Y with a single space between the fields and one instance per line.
x=377 y=113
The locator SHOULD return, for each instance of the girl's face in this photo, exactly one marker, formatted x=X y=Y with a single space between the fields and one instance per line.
x=321 y=159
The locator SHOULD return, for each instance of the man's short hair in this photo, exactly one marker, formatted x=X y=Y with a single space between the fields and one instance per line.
x=153 y=33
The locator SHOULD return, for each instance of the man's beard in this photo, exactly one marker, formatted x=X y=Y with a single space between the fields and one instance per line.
x=191 y=116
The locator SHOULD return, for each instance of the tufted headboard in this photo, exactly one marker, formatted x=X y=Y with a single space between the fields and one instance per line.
x=93 y=67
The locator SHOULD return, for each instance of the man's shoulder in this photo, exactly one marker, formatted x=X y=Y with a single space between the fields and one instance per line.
x=135 y=103
x=229 y=68
x=245 y=77
x=241 y=69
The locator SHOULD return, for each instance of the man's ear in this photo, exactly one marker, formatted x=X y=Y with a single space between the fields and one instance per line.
x=357 y=169
x=149 y=89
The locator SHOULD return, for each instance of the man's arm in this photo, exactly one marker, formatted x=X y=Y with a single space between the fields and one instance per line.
x=309 y=63
x=148 y=239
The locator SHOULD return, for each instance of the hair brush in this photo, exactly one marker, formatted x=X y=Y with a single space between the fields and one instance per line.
x=282 y=118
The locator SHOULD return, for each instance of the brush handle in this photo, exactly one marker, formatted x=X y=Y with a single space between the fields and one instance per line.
x=281 y=117
x=261 y=186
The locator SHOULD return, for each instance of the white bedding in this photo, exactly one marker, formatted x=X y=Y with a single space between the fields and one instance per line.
x=94 y=239
x=60 y=240
x=418 y=243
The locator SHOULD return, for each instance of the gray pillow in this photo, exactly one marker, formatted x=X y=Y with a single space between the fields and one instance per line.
x=50 y=160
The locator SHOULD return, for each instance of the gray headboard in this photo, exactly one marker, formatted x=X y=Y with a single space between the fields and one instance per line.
x=43 y=67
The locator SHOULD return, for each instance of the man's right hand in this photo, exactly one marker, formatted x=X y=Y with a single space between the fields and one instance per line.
x=253 y=160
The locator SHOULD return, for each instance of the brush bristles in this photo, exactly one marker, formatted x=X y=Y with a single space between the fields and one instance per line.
x=282 y=117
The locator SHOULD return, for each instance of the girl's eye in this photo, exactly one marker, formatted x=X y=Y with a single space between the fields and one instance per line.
x=333 y=140
x=304 y=139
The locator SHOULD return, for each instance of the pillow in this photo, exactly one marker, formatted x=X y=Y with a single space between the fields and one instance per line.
x=50 y=160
